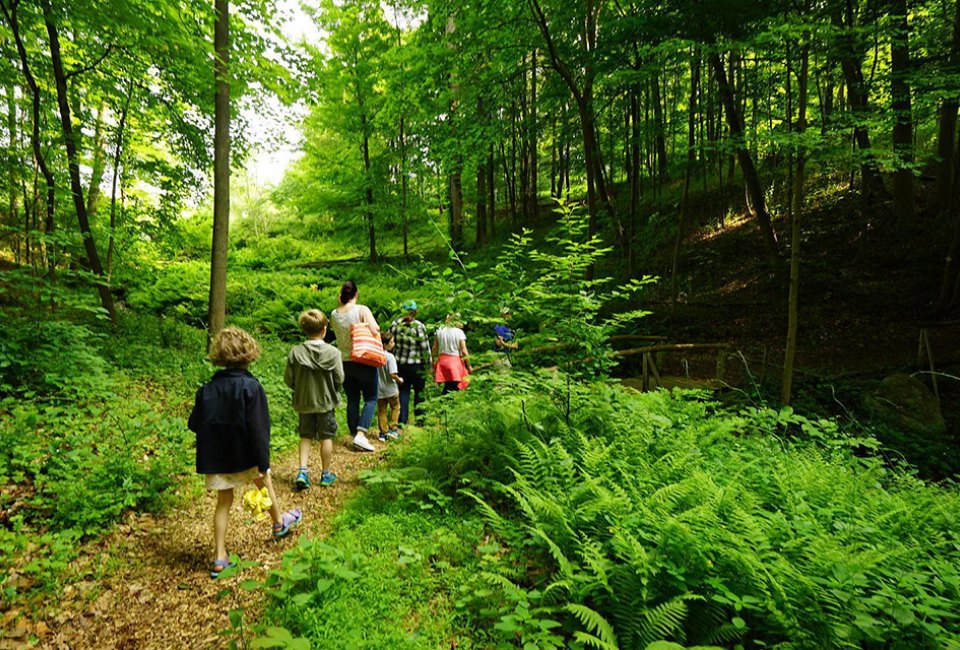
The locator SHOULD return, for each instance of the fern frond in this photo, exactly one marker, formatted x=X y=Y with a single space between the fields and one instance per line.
x=594 y=623
x=666 y=619
x=590 y=641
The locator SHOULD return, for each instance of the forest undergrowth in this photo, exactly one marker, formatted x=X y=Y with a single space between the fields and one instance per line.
x=540 y=508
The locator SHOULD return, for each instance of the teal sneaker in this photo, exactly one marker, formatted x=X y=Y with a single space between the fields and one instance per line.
x=393 y=434
x=328 y=478
x=302 y=482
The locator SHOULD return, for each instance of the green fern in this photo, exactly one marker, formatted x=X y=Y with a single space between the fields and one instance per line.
x=595 y=624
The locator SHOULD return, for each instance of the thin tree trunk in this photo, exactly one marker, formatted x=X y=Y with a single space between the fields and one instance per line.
x=10 y=13
x=750 y=177
x=481 y=192
x=404 y=182
x=73 y=160
x=945 y=198
x=456 y=188
x=117 y=157
x=13 y=162
x=659 y=129
x=97 y=167
x=534 y=141
x=634 y=158
x=793 y=300
x=904 y=202
x=508 y=184
x=691 y=159
x=368 y=183
x=491 y=187
x=858 y=101
x=216 y=317
x=524 y=144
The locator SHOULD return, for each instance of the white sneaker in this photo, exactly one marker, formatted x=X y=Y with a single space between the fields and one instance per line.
x=361 y=443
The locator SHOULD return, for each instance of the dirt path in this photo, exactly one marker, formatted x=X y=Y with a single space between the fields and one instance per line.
x=147 y=584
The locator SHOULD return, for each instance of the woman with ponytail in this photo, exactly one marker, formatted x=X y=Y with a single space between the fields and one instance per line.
x=359 y=381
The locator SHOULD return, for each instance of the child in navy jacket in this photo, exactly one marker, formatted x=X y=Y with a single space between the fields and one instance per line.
x=232 y=424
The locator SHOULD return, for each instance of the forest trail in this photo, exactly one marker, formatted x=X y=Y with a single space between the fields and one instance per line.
x=146 y=584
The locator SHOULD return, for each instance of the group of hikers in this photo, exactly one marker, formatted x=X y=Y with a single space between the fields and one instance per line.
x=377 y=370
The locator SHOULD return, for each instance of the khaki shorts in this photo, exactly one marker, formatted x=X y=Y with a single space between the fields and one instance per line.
x=318 y=425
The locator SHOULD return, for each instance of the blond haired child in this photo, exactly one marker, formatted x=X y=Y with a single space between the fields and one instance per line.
x=232 y=423
x=315 y=373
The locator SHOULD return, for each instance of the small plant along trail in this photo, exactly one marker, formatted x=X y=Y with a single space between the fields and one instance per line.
x=147 y=584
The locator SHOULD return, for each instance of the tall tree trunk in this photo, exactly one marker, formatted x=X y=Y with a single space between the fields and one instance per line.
x=73 y=165
x=492 y=188
x=524 y=147
x=117 y=157
x=688 y=172
x=481 y=191
x=368 y=183
x=659 y=128
x=216 y=317
x=13 y=164
x=945 y=198
x=404 y=183
x=793 y=300
x=508 y=184
x=456 y=168
x=98 y=165
x=947 y=128
x=858 y=101
x=634 y=166
x=534 y=141
x=904 y=202
x=582 y=92
x=40 y=163
x=750 y=177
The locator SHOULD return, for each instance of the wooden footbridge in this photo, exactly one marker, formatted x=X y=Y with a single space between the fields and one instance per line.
x=657 y=359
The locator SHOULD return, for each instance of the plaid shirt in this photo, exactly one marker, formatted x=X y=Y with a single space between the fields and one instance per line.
x=411 y=345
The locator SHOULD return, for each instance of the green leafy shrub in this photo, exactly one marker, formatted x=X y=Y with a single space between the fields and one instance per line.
x=52 y=359
x=638 y=518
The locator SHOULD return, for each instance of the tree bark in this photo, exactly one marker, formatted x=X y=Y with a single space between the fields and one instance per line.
x=750 y=177
x=659 y=129
x=534 y=166
x=481 y=192
x=582 y=95
x=691 y=159
x=13 y=163
x=858 y=100
x=73 y=165
x=117 y=157
x=456 y=165
x=10 y=13
x=904 y=202
x=945 y=198
x=404 y=182
x=367 y=181
x=492 y=188
x=216 y=316
x=97 y=167
x=793 y=299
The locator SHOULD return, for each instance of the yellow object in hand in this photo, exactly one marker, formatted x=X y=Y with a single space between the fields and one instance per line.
x=257 y=502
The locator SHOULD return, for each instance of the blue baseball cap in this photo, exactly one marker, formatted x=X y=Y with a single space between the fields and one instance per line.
x=410 y=305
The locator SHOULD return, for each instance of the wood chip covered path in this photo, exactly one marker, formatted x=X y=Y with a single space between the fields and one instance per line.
x=146 y=584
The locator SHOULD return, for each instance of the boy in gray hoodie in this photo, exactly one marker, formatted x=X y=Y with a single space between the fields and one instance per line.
x=315 y=373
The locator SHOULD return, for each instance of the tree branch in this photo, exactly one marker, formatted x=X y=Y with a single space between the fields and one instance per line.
x=92 y=66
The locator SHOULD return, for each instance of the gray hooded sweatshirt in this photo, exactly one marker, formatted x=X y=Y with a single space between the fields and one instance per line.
x=315 y=373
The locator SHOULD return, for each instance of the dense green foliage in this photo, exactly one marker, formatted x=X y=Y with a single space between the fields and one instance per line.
x=545 y=507
x=638 y=518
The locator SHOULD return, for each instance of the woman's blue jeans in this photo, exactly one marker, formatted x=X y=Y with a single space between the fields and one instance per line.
x=360 y=381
